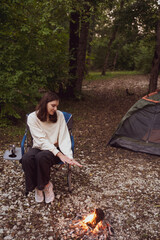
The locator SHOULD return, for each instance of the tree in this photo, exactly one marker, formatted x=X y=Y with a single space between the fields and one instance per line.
x=112 y=38
x=81 y=11
x=79 y=27
x=73 y=51
x=128 y=23
x=156 y=59
x=34 y=53
x=81 y=57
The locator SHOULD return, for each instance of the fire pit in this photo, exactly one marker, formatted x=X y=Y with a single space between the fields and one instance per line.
x=92 y=226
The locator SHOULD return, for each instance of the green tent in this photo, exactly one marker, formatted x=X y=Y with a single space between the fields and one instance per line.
x=139 y=129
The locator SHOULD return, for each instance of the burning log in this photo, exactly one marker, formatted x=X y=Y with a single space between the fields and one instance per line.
x=92 y=225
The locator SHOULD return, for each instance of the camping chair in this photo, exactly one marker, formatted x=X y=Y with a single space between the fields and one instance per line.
x=16 y=153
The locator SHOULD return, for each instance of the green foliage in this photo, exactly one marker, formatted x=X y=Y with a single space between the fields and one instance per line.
x=144 y=56
x=33 y=53
x=131 y=56
x=34 y=38
x=98 y=53
x=126 y=57
x=132 y=22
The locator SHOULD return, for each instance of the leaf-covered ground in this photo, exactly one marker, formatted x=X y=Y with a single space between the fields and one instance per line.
x=124 y=184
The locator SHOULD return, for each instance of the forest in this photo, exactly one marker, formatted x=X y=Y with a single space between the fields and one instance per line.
x=90 y=53
x=54 y=44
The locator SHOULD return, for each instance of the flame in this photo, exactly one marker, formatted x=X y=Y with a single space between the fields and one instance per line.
x=98 y=227
x=90 y=219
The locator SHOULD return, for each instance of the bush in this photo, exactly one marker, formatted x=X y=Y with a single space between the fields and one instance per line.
x=144 y=56
x=33 y=54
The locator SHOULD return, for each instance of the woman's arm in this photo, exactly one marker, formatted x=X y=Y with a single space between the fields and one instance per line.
x=64 y=142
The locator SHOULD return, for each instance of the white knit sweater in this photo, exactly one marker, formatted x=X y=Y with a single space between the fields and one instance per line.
x=49 y=136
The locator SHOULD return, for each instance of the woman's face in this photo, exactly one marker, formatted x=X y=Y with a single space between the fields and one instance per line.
x=52 y=107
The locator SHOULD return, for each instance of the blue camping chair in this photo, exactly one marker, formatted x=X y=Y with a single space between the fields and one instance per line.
x=16 y=153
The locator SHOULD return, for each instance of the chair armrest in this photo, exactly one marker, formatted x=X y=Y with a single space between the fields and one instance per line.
x=23 y=142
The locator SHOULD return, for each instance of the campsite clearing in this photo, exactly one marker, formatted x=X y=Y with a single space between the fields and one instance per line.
x=125 y=184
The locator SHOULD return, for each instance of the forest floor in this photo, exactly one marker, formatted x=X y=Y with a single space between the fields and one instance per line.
x=124 y=184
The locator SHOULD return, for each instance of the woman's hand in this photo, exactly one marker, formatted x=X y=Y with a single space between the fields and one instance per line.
x=68 y=160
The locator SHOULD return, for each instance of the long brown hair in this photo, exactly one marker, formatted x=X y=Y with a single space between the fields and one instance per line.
x=42 y=107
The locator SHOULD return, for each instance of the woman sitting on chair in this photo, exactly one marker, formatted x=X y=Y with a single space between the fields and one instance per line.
x=51 y=144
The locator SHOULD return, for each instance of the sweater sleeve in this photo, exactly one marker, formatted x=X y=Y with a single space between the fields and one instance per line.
x=64 y=140
x=39 y=136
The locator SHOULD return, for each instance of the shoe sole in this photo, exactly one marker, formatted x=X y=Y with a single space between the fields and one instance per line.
x=52 y=199
x=39 y=201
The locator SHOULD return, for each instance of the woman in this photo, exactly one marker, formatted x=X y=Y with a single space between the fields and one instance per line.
x=51 y=144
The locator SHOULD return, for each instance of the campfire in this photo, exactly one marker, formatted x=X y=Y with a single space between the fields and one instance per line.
x=93 y=226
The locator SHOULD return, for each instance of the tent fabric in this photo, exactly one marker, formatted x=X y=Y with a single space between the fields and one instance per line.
x=139 y=129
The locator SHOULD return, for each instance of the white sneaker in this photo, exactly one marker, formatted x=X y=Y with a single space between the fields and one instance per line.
x=39 y=197
x=48 y=192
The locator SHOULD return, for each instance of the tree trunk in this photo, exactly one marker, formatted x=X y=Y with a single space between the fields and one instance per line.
x=156 y=60
x=73 y=52
x=89 y=47
x=82 y=52
x=108 y=51
x=115 y=61
x=114 y=33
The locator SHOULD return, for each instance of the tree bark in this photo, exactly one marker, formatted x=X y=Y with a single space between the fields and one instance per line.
x=89 y=47
x=73 y=51
x=108 y=51
x=79 y=28
x=115 y=60
x=156 y=60
x=82 y=52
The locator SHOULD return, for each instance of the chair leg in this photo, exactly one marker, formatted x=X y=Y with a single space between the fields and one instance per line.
x=69 y=178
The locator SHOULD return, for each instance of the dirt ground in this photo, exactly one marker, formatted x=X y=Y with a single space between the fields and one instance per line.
x=124 y=184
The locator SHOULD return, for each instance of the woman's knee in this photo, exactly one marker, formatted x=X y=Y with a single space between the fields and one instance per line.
x=26 y=161
x=28 y=158
x=43 y=157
